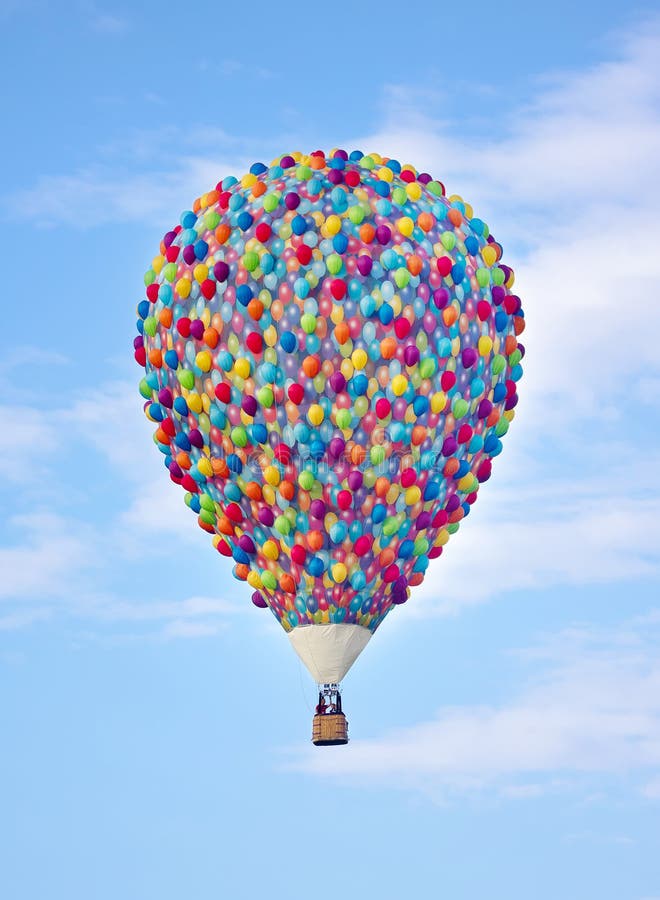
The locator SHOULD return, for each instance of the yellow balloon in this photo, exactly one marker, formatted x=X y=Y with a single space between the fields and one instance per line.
x=339 y=572
x=270 y=550
x=399 y=385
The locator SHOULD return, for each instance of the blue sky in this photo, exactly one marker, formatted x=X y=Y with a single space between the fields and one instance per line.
x=506 y=722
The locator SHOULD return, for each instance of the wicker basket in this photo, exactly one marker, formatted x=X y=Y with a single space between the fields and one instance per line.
x=330 y=729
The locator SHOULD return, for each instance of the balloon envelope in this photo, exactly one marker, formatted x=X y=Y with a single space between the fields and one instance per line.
x=331 y=359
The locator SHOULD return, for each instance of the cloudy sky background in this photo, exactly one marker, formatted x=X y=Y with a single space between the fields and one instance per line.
x=506 y=722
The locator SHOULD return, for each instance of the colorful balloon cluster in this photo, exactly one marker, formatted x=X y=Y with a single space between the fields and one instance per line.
x=331 y=359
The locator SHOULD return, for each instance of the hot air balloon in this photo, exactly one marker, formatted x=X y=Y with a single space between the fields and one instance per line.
x=331 y=359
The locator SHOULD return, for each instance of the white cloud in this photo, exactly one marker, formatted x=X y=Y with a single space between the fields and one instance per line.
x=591 y=713
x=23 y=618
x=109 y=24
x=128 y=183
x=29 y=436
x=193 y=617
x=181 y=628
x=158 y=512
x=652 y=789
x=592 y=837
x=50 y=557
x=537 y=538
x=109 y=416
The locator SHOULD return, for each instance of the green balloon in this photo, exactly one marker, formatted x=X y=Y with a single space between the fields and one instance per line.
x=401 y=277
x=344 y=419
x=448 y=240
x=498 y=364
x=459 y=408
x=206 y=503
x=239 y=436
x=421 y=546
x=186 y=379
x=306 y=480
x=268 y=580
x=483 y=276
x=170 y=272
x=427 y=367
x=356 y=214
x=308 y=323
x=271 y=201
x=377 y=455
x=265 y=396
x=390 y=526
x=502 y=427
x=399 y=196
x=150 y=326
x=282 y=525
x=250 y=260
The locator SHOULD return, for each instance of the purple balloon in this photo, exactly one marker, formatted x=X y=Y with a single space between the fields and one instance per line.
x=411 y=355
x=364 y=264
x=266 y=516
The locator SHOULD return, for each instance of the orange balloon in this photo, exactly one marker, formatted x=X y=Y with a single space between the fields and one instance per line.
x=388 y=348
x=311 y=366
x=211 y=337
x=222 y=233
x=287 y=584
x=287 y=490
x=425 y=221
x=315 y=540
x=183 y=460
x=220 y=467
x=277 y=310
x=253 y=490
x=358 y=454
x=255 y=309
x=242 y=571
x=342 y=332
x=455 y=216
x=418 y=435
x=224 y=525
x=387 y=557
x=367 y=233
x=382 y=486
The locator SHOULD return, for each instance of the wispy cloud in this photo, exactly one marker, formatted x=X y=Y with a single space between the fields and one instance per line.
x=105 y=22
x=108 y=24
x=46 y=562
x=21 y=619
x=535 y=537
x=589 y=712
x=652 y=789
